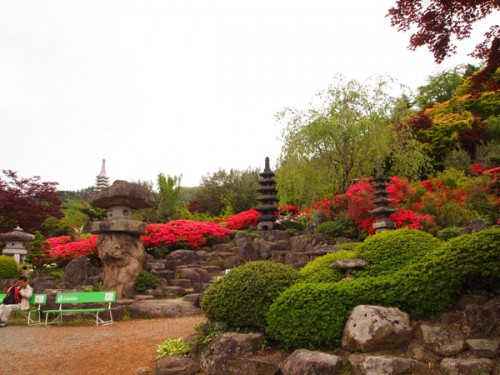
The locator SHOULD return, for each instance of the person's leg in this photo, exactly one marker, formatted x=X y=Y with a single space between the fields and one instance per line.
x=5 y=311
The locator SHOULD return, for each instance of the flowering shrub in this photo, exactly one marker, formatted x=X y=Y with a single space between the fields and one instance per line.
x=243 y=220
x=184 y=234
x=63 y=250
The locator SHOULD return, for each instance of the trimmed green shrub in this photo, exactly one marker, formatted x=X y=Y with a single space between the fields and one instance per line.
x=317 y=271
x=8 y=268
x=241 y=298
x=145 y=280
x=449 y=233
x=331 y=228
x=390 y=251
x=309 y=315
x=467 y=263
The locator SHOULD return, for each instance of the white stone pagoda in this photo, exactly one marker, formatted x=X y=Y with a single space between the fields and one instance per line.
x=102 y=180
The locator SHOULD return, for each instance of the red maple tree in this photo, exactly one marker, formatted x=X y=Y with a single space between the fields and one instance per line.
x=27 y=202
x=438 y=21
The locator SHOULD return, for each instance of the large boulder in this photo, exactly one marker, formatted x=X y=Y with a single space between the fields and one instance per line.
x=483 y=348
x=305 y=362
x=184 y=257
x=79 y=272
x=481 y=321
x=443 y=341
x=372 y=328
x=384 y=365
x=163 y=309
x=194 y=275
x=224 y=353
x=176 y=365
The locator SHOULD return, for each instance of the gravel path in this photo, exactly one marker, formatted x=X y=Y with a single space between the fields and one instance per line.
x=119 y=348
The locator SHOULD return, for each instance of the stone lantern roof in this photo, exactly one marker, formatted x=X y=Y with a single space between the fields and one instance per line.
x=122 y=193
x=17 y=234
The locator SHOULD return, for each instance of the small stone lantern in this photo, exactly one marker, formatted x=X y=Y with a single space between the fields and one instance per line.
x=267 y=199
x=119 y=244
x=16 y=242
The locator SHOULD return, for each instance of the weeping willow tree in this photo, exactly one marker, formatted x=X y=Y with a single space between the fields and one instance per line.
x=339 y=138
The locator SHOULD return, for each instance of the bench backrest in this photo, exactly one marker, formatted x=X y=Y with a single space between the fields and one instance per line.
x=36 y=299
x=86 y=297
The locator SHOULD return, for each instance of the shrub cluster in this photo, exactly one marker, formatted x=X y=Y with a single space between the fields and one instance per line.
x=390 y=251
x=145 y=280
x=424 y=283
x=241 y=298
x=8 y=268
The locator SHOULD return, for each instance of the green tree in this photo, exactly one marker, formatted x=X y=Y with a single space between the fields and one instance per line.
x=168 y=206
x=441 y=86
x=222 y=192
x=336 y=140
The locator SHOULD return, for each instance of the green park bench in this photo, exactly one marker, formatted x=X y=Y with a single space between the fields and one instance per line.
x=36 y=301
x=76 y=302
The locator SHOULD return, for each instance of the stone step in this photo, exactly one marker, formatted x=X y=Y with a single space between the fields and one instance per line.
x=183 y=283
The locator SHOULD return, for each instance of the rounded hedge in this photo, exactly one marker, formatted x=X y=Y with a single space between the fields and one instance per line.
x=8 y=268
x=391 y=251
x=318 y=270
x=309 y=315
x=242 y=297
x=467 y=263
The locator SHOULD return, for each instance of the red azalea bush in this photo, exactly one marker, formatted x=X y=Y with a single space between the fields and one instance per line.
x=62 y=250
x=186 y=234
x=243 y=220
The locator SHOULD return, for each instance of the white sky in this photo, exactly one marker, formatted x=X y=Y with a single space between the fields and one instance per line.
x=184 y=87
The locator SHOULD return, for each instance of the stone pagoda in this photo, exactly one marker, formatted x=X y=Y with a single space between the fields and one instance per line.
x=15 y=244
x=267 y=199
x=383 y=211
x=119 y=244
x=102 y=180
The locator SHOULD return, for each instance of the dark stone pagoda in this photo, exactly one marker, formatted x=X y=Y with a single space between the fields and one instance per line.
x=267 y=199
x=383 y=211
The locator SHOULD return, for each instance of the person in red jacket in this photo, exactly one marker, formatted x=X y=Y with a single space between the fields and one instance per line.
x=21 y=300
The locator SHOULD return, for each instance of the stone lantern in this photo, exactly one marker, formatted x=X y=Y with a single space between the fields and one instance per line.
x=16 y=242
x=119 y=244
x=267 y=199
x=383 y=211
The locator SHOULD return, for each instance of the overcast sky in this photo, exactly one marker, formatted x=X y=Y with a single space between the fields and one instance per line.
x=184 y=87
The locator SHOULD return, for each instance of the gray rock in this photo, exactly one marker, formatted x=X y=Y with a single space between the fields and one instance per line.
x=224 y=352
x=384 y=365
x=461 y=366
x=241 y=239
x=443 y=341
x=273 y=235
x=305 y=362
x=175 y=291
x=176 y=365
x=167 y=308
x=182 y=283
x=249 y=252
x=194 y=275
x=78 y=272
x=233 y=261
x=483 y=348
x=482 y=321
x=372 y=328
x=301 y=243
x=184 y=257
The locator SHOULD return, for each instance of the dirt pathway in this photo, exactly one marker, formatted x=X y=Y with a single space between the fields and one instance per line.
x=119 y=348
